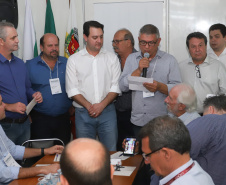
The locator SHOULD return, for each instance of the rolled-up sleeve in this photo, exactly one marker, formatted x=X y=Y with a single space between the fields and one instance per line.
x=116 y=71
x=71 y=78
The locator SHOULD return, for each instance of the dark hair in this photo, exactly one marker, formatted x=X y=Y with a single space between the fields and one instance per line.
x=77 y=176
x=3 y=32
x=43 y=37
x=149 y=29
x=88 y=24
x=197 y=35
x=220 y=27
x=219 y=102
x=168 y=132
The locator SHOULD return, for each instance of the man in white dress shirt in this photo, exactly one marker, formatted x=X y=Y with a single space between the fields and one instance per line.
x=204 y=74
x=217 y=36
x=92 y=82
x=166 y=144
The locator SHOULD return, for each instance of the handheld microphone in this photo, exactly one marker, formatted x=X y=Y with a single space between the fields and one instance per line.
x=146 y=55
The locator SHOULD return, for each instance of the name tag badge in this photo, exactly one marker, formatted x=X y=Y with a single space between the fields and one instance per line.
x=148 y=94
x=55 y=86
x=9 y=161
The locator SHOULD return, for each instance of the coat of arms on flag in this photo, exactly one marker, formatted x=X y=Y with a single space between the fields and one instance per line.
x=71 y=42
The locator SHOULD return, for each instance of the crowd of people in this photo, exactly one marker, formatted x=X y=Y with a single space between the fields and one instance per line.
x=179 y=120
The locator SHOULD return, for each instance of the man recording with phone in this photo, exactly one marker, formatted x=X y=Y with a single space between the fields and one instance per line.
x=157 y=64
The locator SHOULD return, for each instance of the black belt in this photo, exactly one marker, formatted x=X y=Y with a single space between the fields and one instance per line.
x=10 y=120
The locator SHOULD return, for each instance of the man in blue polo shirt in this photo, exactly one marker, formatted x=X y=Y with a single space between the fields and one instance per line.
x=47 y=74
x=15 y=87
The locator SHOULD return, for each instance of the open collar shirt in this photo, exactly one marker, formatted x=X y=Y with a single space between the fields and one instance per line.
x=166 y=71
x=8 y=174
x=187 y=117
x=40 y=74
x=195 y=176
x=221 y=57
x=212 y=81
x=15 y=85
x=92 y=77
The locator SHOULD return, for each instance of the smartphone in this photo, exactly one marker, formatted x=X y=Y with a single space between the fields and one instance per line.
x=130 y=146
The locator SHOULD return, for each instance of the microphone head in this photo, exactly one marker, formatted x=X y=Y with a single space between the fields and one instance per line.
x=146 y=55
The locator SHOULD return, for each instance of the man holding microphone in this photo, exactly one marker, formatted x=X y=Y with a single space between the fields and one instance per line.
x=161 y=66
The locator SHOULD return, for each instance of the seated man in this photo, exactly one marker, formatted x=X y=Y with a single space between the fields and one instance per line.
x=166 y=145
x=9 y=169
x=182 y=103
x=86 y=162
x=215 y=105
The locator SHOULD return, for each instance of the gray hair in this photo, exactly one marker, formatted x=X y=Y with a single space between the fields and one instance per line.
x=3 y=25
x=187 y=96
x=168 y=132
x=149 y=29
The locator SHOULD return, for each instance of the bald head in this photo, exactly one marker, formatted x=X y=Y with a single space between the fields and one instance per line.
x=86 y=161
x=123 y=42
x=86 y=154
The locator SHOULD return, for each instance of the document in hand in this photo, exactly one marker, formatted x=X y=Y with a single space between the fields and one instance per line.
x=136 y=83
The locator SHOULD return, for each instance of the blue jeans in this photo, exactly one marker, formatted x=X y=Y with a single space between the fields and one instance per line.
x=17 y=132
x=105 y=126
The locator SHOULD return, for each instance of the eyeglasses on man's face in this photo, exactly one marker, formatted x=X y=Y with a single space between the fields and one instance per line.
x=144 y=43
x=117 y=41
x=146 y=156
x=198 y=73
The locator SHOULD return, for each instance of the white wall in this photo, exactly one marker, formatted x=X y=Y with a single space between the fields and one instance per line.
x=184 y=17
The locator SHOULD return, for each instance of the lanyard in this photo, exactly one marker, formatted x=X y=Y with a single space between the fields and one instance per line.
x=50 y=69
x=180 y=174
x=154 y=67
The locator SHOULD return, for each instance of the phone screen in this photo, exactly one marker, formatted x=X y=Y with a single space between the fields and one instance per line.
x=130 y=146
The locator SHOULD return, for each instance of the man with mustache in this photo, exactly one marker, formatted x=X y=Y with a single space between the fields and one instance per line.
x=123 y=45
x=15 y=87
x=50 y=119
x=92 y=82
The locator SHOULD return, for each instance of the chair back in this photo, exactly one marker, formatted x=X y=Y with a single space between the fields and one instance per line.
x=42 y=143
x=39 y=143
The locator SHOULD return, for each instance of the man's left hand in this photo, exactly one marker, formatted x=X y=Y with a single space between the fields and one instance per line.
x=38 y=97
x=152 y=87
x=57 y=149
x=96 y=109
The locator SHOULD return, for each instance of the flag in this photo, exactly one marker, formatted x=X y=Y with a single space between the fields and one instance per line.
x=30 y=45
x=49 y=24
x=71 y=45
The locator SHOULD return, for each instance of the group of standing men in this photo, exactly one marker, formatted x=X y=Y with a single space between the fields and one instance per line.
x=91 y=78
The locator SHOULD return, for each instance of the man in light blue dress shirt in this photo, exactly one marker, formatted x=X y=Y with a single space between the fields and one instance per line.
x=9 y=152
x=182 y=103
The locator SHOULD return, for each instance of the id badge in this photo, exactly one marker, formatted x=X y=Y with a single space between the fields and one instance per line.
x=9 y=161
x=148 y=94
x=55 y=86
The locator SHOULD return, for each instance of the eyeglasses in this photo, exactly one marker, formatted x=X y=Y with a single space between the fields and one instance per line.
x=198 y=73
x=117 y=41
x=145 y=156
x=144 y=43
